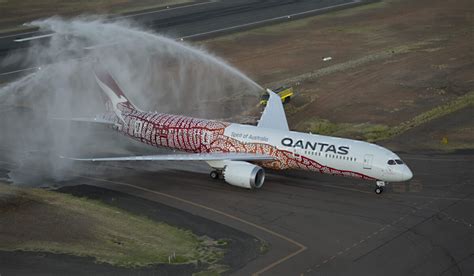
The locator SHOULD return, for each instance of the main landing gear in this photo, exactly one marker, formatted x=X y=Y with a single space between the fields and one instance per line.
x=379 y=187
x=215 y=174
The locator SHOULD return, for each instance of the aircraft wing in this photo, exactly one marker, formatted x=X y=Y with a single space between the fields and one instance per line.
x=273 y=115
x=216 y=156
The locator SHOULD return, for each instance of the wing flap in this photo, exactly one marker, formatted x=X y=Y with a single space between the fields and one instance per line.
x=87 y=120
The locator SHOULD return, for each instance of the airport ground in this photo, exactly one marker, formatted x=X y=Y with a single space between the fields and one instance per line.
x=391 y=62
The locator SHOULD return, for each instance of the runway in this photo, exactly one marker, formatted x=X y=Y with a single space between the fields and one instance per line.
x=317 y=224
x=199 y=20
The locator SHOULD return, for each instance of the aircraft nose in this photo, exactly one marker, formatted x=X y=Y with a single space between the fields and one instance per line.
x=407 y=174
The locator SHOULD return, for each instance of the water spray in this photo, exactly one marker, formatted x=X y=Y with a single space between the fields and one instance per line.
x=157 y=73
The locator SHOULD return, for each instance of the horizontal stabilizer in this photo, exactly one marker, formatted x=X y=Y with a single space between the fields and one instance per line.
x=216 y=156
x=87 y=120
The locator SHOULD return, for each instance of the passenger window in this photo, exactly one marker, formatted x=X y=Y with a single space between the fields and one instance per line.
x=400 y=162
x=391 y=162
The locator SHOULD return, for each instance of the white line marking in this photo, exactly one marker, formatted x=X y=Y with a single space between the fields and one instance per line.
x=18 y=71
x=162 y=10
x=267 y=20
x=33 y=37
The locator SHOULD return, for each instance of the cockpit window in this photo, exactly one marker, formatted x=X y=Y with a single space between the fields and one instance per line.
x=399 y=162
x=391 y=162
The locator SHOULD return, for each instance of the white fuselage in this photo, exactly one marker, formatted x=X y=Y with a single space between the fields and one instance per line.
x=290 y=149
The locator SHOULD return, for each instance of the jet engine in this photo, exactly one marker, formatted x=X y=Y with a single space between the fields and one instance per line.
x=244 y=175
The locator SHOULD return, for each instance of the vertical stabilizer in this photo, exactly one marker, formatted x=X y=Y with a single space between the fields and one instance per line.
x=116 y=101
x=274 y=114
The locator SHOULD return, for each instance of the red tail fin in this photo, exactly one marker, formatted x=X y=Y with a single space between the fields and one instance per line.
x=116 y=100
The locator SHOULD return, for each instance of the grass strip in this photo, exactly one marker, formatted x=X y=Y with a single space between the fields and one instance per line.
x=64 y=224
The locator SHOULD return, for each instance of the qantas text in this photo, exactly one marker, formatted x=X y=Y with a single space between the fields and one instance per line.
x=343 y=150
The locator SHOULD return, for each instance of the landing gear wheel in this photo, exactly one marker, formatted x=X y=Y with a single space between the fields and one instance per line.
x=214 y=175
x=378 y=190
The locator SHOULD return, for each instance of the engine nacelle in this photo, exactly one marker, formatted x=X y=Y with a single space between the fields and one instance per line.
x=243 y=174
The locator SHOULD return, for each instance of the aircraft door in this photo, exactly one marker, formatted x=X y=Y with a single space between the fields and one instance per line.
x=368 y=161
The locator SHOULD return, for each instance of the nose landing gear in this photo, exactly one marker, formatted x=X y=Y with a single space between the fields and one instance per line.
x=379 y=187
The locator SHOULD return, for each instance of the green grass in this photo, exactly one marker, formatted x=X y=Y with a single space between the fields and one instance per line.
x=264 y=247
x=377 y=132
x=357 y=29
x=363 y=131
x=117 y=237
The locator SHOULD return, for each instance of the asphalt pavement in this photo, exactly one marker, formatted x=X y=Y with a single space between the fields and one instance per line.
x=323 y=225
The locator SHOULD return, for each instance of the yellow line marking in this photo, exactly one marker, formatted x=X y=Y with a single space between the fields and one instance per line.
x=270 y=266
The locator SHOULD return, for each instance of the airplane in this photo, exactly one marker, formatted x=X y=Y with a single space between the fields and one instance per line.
x=238 y=153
